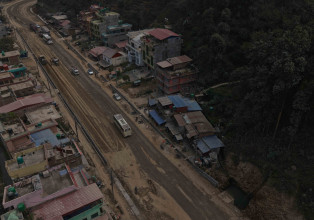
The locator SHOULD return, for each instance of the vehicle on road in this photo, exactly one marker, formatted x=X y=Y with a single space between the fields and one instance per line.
x=42 y=59
x=90 y=72
x=49 y=42
x=77 y=43
x=116 y=96
x=123 y=126
x=47 y=39
x=55 y=60
x=45 y=30
x=74 y=70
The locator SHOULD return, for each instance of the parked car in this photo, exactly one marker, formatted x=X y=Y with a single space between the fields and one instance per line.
x=116 y=96
x=90 y=72
x=74 y=70
x=77 y=43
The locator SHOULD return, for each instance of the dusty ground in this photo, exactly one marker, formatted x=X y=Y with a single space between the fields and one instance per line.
x=139 y=161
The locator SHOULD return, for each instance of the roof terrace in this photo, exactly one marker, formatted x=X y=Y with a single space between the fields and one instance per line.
x=40 y=188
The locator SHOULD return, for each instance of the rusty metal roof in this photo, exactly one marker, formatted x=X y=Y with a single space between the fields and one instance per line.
x=58 y=207
x=162 y=34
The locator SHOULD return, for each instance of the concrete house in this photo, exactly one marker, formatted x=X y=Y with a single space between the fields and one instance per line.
x=159 y=45
x=175 y=74
x=113 y=57
x=134 y=46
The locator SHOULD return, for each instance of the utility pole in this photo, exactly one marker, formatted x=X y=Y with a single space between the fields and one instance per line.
x=111 y=177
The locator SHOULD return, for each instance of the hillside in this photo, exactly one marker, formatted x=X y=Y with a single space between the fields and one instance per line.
x=267 y=47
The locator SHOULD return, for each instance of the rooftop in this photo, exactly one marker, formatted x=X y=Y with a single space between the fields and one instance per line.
x=162 y=34
x=58 y=179
x=197 y=119
x=25 y=102
x=60 y=17
x=11 y=129
x=140 y=33
x=43 y=113
x=174 y=61
x=97 y=51
x=6 y=75
x=10 y=54
x=23 y=85
x=30 y=157
x=56 y=208
x=47 y=136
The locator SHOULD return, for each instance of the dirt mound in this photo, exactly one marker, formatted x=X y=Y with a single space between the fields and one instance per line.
x=247 y=176
x=270 y=204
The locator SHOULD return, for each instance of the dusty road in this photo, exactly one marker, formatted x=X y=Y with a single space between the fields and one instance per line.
x=95 y=109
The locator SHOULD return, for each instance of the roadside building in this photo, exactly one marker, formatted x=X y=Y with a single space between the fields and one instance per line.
x=97 y=53
x=34 y=160
x=109 y=28
x=23 y=89
x=6 y=96
x=41 y=188
x=134 y=46
x=10 y=57
x=29 y=102
x=115 y=33
x=113 y=57
x=57 y=19
x=17 y=71
x=175 y=74
x=17 y=136
x=84 y=203
x=209 y=146
x=158 y=45
x=195 y=124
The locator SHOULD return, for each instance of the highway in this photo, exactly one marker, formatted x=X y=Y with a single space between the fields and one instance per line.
x=95 y=109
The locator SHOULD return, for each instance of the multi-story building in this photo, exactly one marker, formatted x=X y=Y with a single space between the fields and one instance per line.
x=104 y=18
x=158 y=45
x=109 y=28
x=175 y=74
x=134 y=46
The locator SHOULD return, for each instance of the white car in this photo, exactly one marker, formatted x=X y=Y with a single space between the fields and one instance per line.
x=74 y=70
x=116 y=96
x=49 y=42
x=90 y=72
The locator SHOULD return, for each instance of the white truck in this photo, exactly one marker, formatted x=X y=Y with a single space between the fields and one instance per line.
x=47 y=39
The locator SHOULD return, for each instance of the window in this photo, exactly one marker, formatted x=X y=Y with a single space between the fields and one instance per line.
x=94 y=215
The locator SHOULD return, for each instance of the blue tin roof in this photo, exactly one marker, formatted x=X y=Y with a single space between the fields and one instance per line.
x=209 y=143
x=40 y=137
x=156 y=117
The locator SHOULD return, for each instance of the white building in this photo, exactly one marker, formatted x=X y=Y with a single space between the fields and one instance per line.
x=134 y=46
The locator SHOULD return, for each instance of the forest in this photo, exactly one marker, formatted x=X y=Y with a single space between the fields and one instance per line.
x=267 y=48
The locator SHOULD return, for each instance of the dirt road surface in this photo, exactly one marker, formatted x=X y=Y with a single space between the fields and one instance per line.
x=164 y=191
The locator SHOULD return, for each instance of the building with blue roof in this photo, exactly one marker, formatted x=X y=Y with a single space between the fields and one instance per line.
x=183 y=104
x=48 y=136
x=207 y=144
x=156 y=117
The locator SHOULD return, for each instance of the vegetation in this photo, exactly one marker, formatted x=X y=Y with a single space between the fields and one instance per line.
x=6 y=44
x=267 y=46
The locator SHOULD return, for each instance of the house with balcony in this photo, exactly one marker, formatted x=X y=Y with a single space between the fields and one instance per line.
x=175 y=74
x=115 y=33
x=10 y=57
x=158 y=45
x=134 y=46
